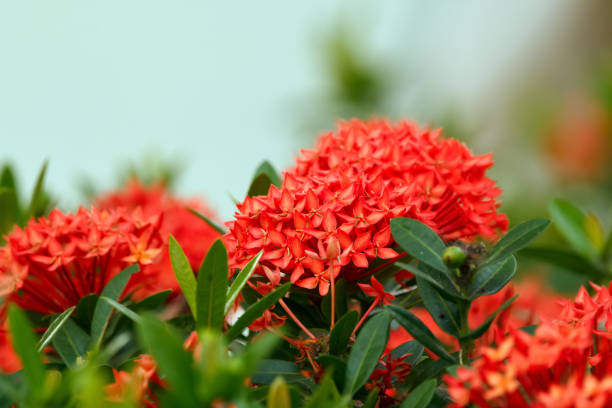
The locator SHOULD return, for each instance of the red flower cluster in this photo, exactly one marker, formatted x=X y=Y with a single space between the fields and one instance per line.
x=54 y=262
x=194 y=235
x=566 y=363
x=343 y=193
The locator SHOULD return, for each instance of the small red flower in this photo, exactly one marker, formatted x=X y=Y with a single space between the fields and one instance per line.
x=377 y=291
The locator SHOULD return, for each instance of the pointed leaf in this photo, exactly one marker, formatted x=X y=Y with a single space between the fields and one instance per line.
x=369 y=346
x=183 y=272
x=476 y=333
x=340 y=334
x=517 y=238
x=241 y=280
x=443 y=311
x=436 y=278
x=278 y=395
x=566 y=260
x=265 y=175
x=71 y=343
x=570 y=221
x=103 y=310
x=24 y=344
x=419 y=241
x=212 y=288
x=491 y=278
x=420 y=332
x=268 y=370
x=422 y=395
x=209 y=221
x=39 y=201
x=54 y=327
x=256 y=310
x=123 y=309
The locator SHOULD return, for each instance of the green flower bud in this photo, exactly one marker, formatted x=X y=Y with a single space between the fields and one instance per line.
x=453 y=256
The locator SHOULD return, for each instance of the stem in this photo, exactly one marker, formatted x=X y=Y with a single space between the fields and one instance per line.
x=374 y=303
x=333 y=297
x=296 y=320
x=464 y=329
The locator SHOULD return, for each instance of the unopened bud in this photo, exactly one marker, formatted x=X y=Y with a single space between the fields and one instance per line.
x=453 y=256
x=333 y=248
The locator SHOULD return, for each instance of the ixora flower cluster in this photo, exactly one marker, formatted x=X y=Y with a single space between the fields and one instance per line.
x=331 y=215
x=375 y=273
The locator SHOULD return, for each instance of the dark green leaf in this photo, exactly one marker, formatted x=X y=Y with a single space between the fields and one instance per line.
x=530 y=329
x=212 y=288
x=24 y=344
x=103 y=310
x=54 y=327
x=9 y=201
x=476 y=333
x=326 y=395
x=336 y=366
x=419 y=241
x=256 y=310
x=420 y=332
x=265 y=175
x=268 y=370
x=340 y=334
x=83 y=314
x=491 y=278
x=71 y=343
x=422 y=395
x=174 y=363
x=369 y=346
x=39 y=201
x=566 y=260
x=183 y=272
x=413 y=348
x=443 y=311
x=241 y=280
x=438 y=279
x=517 y=238
x=570 y=221
x=122 y=308
x=153 y=302
x=372 y=398
x=209 y=221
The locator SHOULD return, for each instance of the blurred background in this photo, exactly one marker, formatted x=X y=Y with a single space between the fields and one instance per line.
x=198 y=93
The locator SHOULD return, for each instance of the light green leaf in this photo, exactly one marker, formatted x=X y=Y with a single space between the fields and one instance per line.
x=123 y=309
x=212 y=288
x=54 y=327
x=209 y=221
x=422 y=395
x=183 y=272
x=24 y=345
x=241 y=280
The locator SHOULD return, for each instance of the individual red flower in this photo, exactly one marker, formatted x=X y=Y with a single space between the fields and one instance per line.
x=135 y=386
x=566 y=363
x=348 y=188
x=194 y=235
x=377 y=291
x=50 y=264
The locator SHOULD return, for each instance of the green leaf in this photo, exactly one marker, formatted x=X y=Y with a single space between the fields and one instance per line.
x=326 y=395
x=413 y=348
x=174 y=363
x=517 y=238
x=209 y=221
x=422 y=395
x=39 y=201
x=566 y=260
x=9 y=201
x=594 y=232
x=256 y=310
x=54 y=327
x=419 y=241
x=372 y=398
x=24 y=344
x=340 y=334
x=212 y=288
x=183 y=272
x=265 y=175
x=570 y=221
x=84 y=312
x=123 y=309
x=476 y=333
x=491 y=278
x=369 y=346
x=420 y=332
x=278 y=395
x=241 y=280
x=103 y=310
x=71 y=343
x=443 y=311
x=153 y=302
x=436 y=278
x=268 y=370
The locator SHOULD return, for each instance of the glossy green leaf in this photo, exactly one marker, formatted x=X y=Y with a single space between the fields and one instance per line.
x=566 y=260
x=421 y=396
x=211 y=223
x=570 y=221
x=517 y=238
x=476 y=333
x=443 y=311
x=268 y=370
x=265 y=175
x=212 y=288
x=419 y=241
x=54 y=327
x=340 y=334
x=369 y=346
x=183 y=272
x=103 y=310
x=256 y=310
x=491 y=278
x=71 y=343
x=436 y=278
x=123 y=309
x=420 y=332
x=24 y=344
x=241 y=280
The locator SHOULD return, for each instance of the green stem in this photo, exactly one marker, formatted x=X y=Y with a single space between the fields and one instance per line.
x=464 y=329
